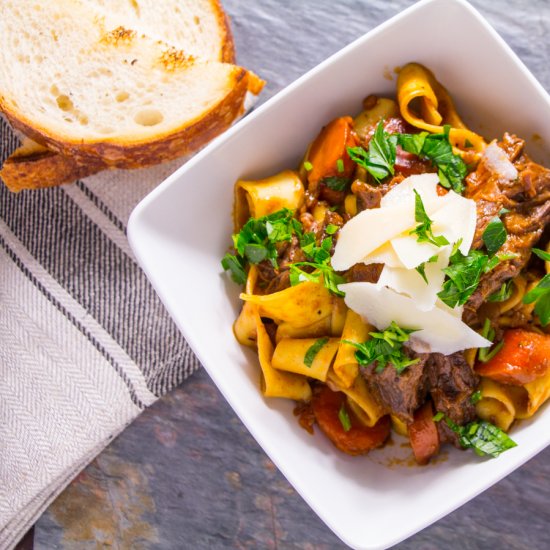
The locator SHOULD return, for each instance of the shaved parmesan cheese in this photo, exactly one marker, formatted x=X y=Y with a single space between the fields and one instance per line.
x=437 y=330
x=384 y=255
x=411 y=283
x=455 y=220
x=411 y=253
x=369 y=230
x=403 y=193
x=385 y=235
x=497 y=161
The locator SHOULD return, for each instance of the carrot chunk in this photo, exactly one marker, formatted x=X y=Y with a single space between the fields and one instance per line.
x=423 y=434
x=353 y=439
x=524 y=357
x=328 y=153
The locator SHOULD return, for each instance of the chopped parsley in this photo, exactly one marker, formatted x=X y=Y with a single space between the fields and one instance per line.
x=323 y=273
x=344 y=418
x=337 y=183
x=463 y=275
x=308 y=166
x=235 y=266
x=503 y=293
x=423 y=230
x=481 y=436
x=421 y=268
x=330 y=229
x=541 y=293
x=257 y=240
x=486 y=354
x=438 y=150
x=313 y=350
x=385 y=348
x=495 y=235
x=340 y=166
x=379 y=159
x=475 y=397
x=318 y=259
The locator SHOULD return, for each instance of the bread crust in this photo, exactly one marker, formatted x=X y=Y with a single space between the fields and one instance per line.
x=43 y=169
x=228 y=44
x=123 y=154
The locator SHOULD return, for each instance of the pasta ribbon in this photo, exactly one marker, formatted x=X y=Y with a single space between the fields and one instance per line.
x=502 y=403
x=399 y=426
x=339 y=314
x=359 y=394
x=290 y=355
x=538 y=392
x=276 y=383
x=356 y=330
x=244 y=327
x=300 y=305
x=436 y=108
x=315 y=330
x=259 y=198
x=498 y=403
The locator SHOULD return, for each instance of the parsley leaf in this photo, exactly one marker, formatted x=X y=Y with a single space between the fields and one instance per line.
x=379 y=160
x=541 y=295
x=486 y=354
x=313 y=350
x=257 y=239
x=503 y=293
x=542 y=254
x=319 y=260
x=323 y=273
x=421 y=268
x=438 y=149
x=337 y=183
x=423 y=230
x=494 y=235
x=344 y=418
x=384 y=348
x=463 y=276
x=234 y=265
x=476 y=397
x=483 y=437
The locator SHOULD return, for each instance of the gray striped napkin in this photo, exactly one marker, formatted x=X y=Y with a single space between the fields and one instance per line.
x=85 y=344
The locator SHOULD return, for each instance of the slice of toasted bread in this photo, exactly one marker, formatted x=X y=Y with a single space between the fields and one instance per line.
x=197 y=27
x=33 y=166
x=91 y=92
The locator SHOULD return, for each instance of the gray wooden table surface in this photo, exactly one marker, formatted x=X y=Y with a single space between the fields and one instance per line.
x=187 y=474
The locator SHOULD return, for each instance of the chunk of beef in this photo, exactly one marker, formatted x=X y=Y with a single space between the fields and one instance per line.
x=527 y=197
x=451 y=384
x=399 y=394
x=368 y=196
x=361 y=273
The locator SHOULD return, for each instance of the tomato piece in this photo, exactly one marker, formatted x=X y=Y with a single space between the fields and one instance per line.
x=423 y=434
x=524 y=357
x=329 y=147
x=358 y=439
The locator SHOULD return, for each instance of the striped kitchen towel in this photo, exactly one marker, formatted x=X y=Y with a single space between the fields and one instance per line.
x=85 y=343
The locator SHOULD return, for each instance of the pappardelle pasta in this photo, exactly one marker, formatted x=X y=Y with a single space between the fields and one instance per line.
x=399 y=279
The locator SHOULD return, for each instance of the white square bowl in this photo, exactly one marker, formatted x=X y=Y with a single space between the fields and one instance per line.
x=181 y=230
